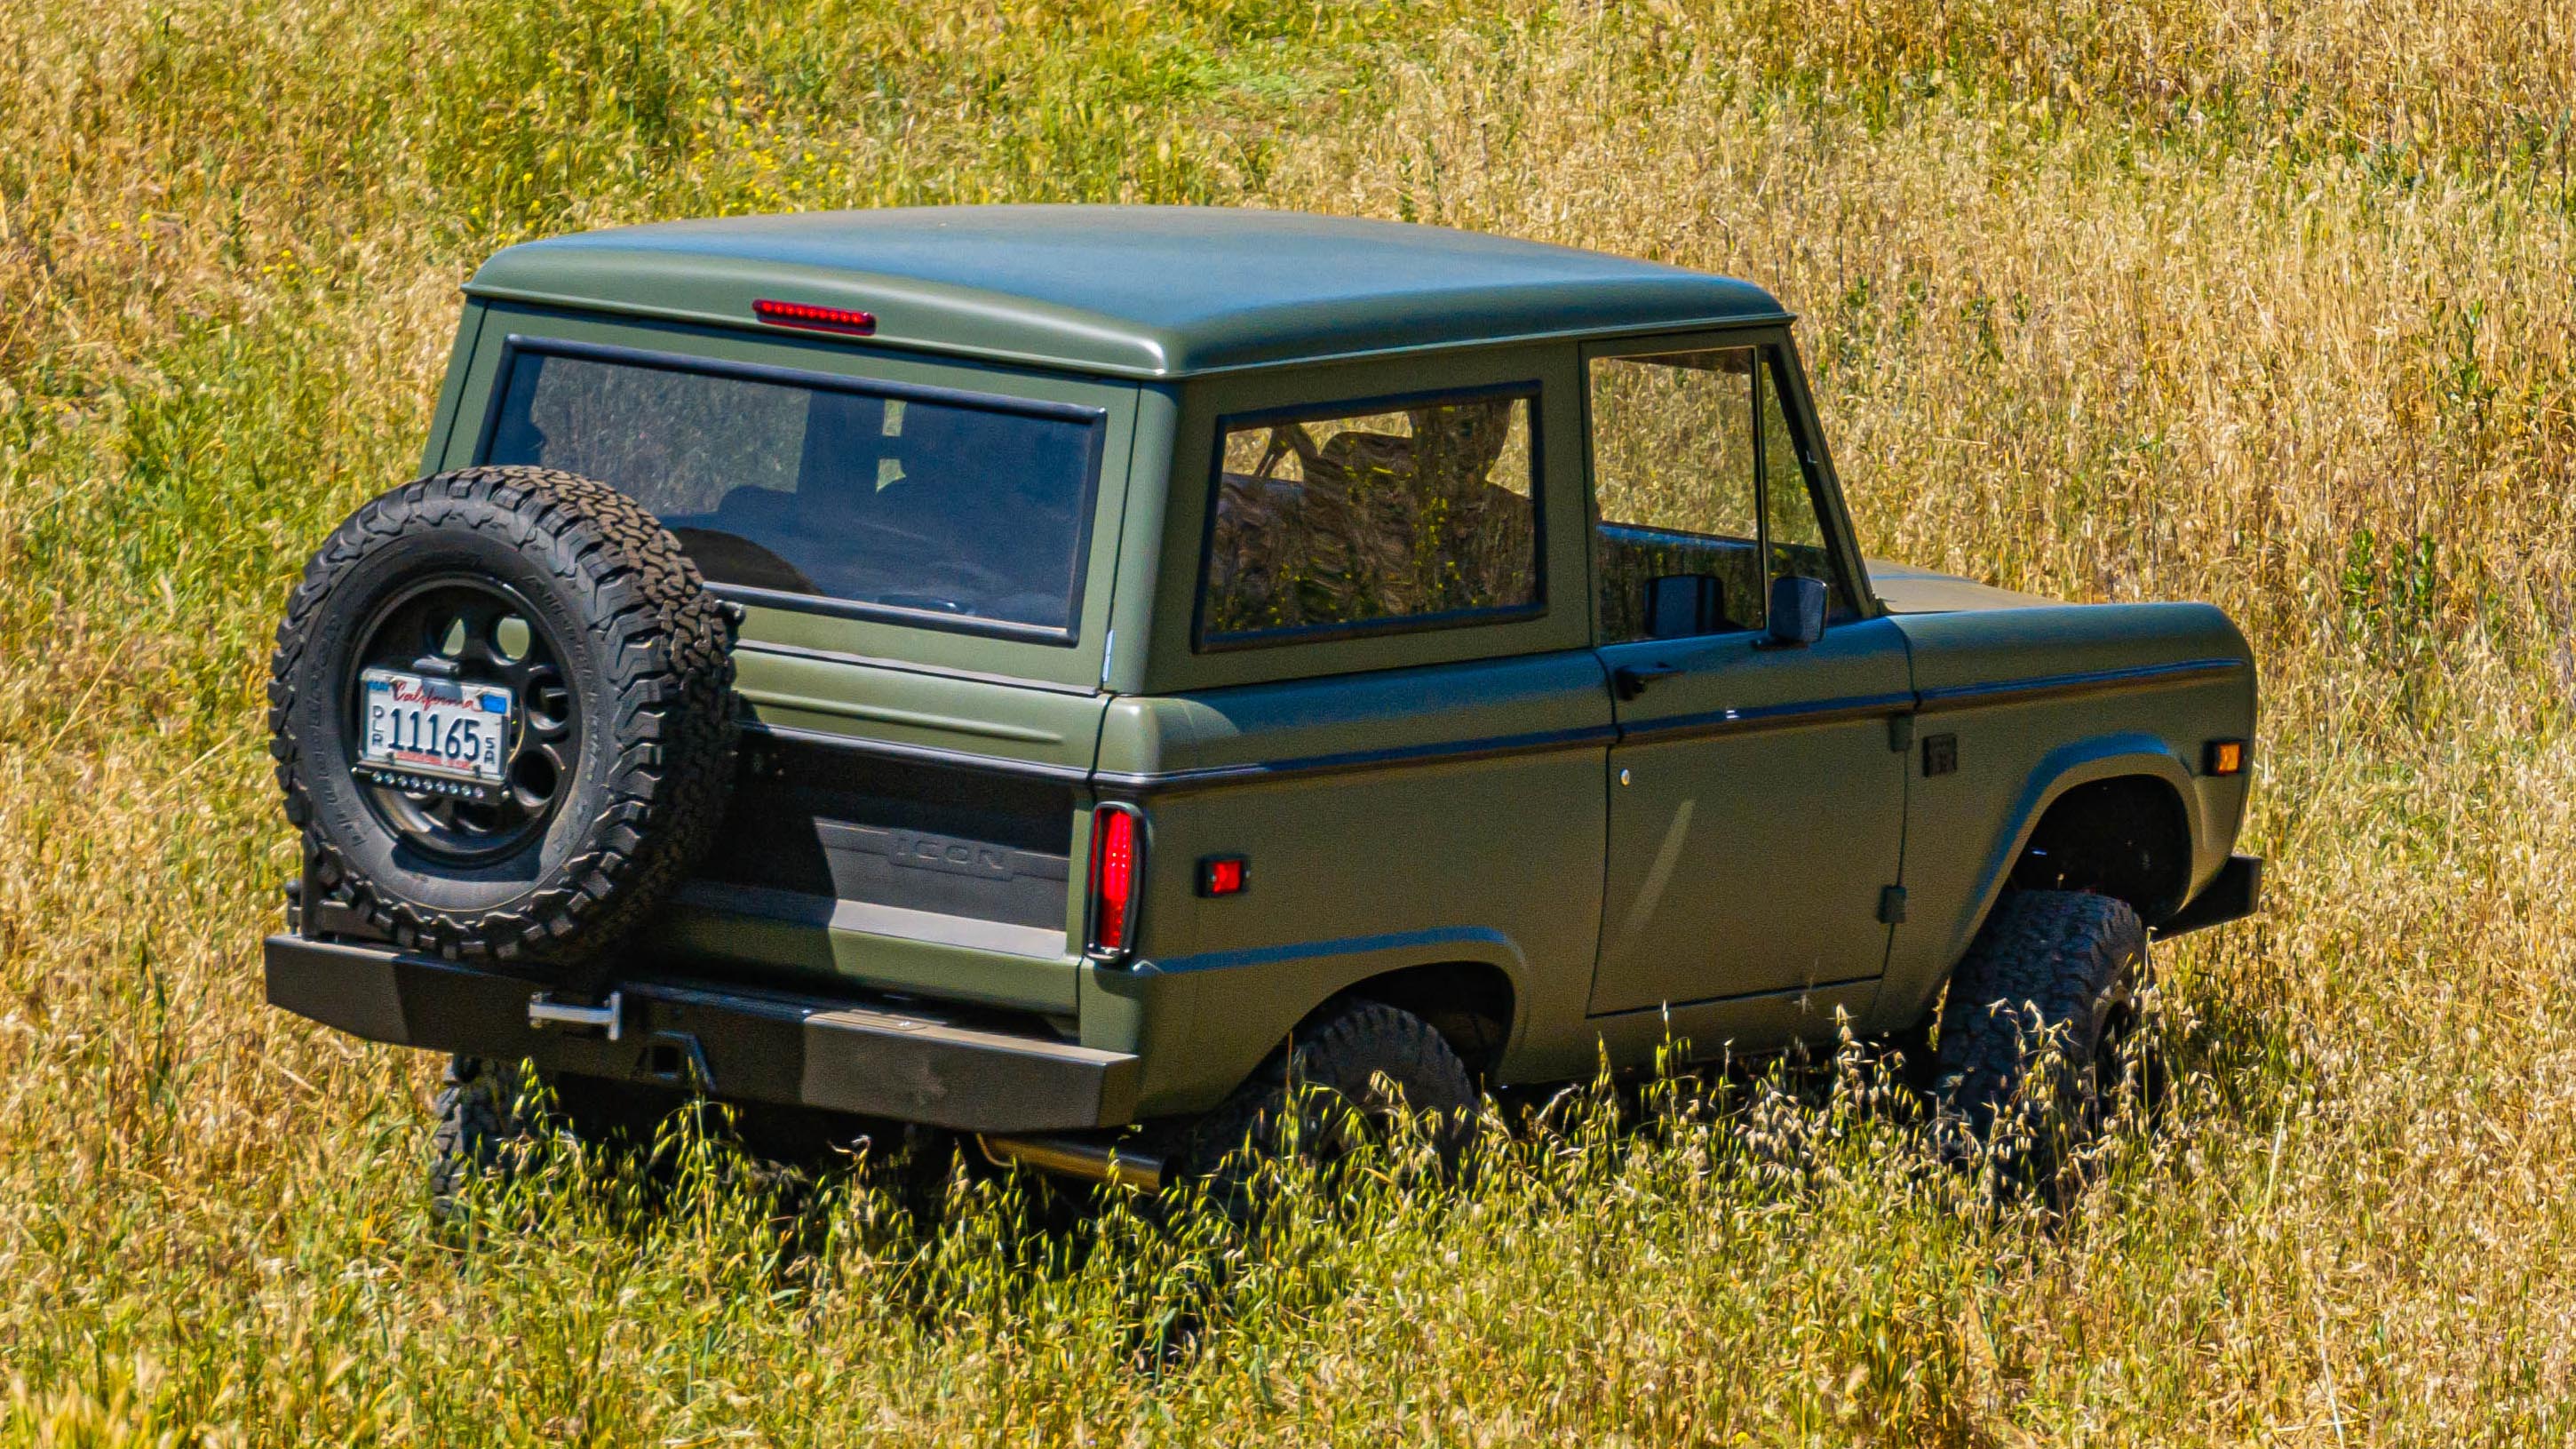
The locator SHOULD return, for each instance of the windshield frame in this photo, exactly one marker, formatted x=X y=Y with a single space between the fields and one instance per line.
x=1094 y=419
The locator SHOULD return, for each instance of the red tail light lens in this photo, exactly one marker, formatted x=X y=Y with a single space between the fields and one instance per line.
x=1117 y=864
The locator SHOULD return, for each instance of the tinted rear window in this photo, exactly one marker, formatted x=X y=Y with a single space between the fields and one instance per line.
x=925 y=508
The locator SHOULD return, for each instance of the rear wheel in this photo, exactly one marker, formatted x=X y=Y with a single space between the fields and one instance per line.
x=2032 y=1030
x=491 y=1117
x=1339 y=1084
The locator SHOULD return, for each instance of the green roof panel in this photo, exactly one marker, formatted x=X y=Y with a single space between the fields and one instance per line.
x=1139 y=291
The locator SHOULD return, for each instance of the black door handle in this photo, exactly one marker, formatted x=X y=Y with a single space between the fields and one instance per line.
x=1628 y=681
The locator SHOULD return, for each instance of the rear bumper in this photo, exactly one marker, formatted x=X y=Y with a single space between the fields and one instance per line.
x=741 y=1045
x=2231 y=895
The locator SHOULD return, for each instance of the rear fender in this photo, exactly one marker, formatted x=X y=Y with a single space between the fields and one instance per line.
x=1246 y=1002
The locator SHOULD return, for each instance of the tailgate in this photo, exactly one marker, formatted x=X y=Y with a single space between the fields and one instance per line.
x=899 y=831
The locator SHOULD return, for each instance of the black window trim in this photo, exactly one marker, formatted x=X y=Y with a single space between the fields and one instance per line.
x=516 y=344
x=1529 y=390
x=1771 y=358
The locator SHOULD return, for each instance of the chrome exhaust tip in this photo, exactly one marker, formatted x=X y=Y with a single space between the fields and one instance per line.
x=1092 y=1161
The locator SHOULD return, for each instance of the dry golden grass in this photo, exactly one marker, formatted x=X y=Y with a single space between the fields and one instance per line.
x=2270 y=306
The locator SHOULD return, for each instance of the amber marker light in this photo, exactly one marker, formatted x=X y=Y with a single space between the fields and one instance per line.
x=2224 y=757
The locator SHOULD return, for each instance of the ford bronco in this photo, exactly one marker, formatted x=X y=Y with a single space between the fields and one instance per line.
x=1077 y=675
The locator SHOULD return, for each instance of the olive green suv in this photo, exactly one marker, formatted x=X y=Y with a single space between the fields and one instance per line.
x=1076 y=675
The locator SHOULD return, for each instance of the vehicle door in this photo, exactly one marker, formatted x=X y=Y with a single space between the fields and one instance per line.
x=1757 y=799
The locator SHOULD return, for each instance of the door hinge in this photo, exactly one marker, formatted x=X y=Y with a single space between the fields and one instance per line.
x=1891 y=905
x=1900 y=732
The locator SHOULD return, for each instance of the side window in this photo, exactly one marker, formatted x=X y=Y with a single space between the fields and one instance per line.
x=1679 y=537
x=1354 y=521
x=1702 y=496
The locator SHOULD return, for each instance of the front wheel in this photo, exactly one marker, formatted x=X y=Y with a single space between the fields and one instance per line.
x=2032 y=1027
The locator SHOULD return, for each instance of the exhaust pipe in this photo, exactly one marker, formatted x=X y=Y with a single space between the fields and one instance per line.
x=1076 y=1157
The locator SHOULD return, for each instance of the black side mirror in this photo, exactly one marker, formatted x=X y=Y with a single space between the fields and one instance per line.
x=1797 y=612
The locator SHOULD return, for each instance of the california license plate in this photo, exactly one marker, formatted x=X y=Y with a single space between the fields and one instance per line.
x=435 y=736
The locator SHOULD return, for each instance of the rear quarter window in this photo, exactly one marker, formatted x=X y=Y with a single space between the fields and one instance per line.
x=1372 y=518
x=920 y=506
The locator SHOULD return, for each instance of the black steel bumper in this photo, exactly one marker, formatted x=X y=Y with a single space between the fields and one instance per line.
x=750 y=1046
x=2231 y=895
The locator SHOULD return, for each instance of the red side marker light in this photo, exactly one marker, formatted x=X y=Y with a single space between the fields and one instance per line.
x=1224 y=875
x=815 y=319
x=1116 y=851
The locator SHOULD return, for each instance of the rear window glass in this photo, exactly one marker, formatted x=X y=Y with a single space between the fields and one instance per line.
x=928 y=510
x=1393 y=517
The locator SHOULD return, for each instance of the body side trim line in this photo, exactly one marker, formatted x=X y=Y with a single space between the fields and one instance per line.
x=880 y=714
x=918 y=754
x=1496 y=944
x=1763 y=717
x=1634 y=1013
x=1486 y=748
x=2061 y=686
x=1768 y=717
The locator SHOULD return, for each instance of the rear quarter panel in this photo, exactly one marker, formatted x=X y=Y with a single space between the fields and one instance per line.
x=2041 y=700
x=1449 y=814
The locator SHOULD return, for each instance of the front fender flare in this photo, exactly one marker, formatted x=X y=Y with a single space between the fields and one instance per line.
x=2102 y=757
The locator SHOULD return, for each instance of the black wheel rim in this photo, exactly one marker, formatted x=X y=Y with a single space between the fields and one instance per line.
x=474 y=631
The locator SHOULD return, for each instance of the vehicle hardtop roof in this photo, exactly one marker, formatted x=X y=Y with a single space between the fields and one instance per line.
x=1137 y=291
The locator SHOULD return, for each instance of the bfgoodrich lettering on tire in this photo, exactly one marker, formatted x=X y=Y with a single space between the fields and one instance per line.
x=565 y=597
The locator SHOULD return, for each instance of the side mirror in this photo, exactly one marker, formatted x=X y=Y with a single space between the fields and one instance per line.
x=1797 y=612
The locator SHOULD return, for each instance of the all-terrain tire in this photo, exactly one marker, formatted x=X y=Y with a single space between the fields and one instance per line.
x=481 y=1131
x=1341 y=1076
x=489 y=1121
x=645 y=660
x=2031 y=1024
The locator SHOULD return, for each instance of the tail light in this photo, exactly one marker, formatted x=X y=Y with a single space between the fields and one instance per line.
x=1117 y=874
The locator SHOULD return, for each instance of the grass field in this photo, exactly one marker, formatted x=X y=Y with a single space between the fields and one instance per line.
x=2270 y=303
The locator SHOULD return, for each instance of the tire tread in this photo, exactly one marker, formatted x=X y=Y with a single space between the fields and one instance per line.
x=666 y=646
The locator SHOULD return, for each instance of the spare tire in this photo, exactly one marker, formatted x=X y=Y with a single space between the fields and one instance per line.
x=544 y=690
